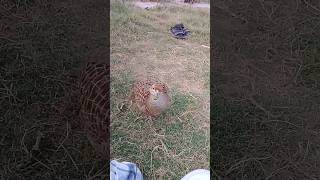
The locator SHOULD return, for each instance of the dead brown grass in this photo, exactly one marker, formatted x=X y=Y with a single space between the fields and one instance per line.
x=40 y=57
x=265 y=107
x=169 y=59
x=178 y=141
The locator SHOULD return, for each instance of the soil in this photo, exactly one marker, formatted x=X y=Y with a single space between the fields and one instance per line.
x=150 y=5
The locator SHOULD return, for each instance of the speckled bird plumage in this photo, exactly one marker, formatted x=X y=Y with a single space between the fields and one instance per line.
x=148 y=103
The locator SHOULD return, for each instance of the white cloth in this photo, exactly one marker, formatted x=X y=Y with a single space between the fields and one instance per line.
x=198 y=174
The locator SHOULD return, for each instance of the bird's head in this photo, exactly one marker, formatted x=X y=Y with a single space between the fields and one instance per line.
x=157 y=89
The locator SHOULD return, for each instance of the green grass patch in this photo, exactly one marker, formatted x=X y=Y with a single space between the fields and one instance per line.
x=134 y=138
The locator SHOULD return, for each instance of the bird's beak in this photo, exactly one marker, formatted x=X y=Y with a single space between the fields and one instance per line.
x=157 y=93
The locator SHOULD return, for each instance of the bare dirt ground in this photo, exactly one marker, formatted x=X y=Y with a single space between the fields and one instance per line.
x=171 y=3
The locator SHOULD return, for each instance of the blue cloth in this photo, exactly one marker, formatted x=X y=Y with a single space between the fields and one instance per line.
x=124 y=171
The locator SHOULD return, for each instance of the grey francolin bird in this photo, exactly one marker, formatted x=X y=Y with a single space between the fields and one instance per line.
x=94 y=105
x=151 y=97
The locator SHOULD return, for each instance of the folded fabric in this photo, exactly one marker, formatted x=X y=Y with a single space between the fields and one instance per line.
x=124 y=171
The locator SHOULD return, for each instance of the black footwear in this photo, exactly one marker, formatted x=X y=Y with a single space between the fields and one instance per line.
x=179 y=31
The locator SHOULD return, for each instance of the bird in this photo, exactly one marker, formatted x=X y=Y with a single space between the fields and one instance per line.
x=150 y=96
x=94 y=101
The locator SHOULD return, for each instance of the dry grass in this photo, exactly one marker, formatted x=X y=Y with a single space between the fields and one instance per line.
x=266 y=107
x=141 y=46
x=40 y=52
